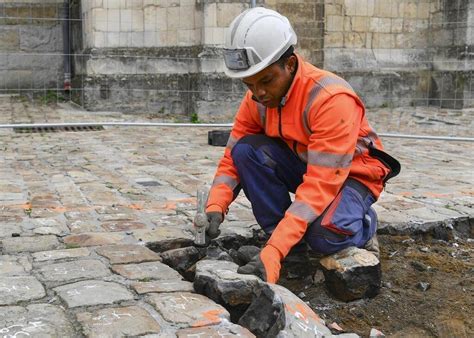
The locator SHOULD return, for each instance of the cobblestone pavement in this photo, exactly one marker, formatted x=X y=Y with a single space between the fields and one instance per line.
x=78 y=207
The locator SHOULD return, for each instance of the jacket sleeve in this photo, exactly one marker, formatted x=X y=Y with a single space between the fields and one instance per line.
x=334 y=131
x=225 y=185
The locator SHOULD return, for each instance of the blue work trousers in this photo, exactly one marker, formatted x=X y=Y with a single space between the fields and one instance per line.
x=269 y=170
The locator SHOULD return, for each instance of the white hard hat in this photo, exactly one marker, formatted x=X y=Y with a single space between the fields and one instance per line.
x=254 y=40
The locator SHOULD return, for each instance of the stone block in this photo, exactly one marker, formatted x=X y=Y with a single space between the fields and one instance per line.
x=14 y=266
x=73 y=271
x=354 y=40
x=334 y=23
x=119 y=321
x=173 y=18
x=277 y=312
x=181 y=259
x=19 y=289
x=350 y=7
x=60 y=254
x=222 y=330
x=149 y=270
x=162 y=286
x=226 y=12
x=185 y=310
x=30 y=244
x=149 y=18
x=164 y=238
x=386 y=10
x=380 y=25
x=35 y=320
x=186 y=17
x=360 y=24
x=352 y=274
x=92 y=292
x=397 y=25
x=127 y=253
x=383 y=40
x=9 y=39
x=94 y=239
x=408 y=9
x=189 y=37
x=210 y=14
x=220 y=281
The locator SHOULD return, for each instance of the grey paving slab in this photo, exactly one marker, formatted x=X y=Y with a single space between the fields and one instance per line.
x=53 y=255
x=92 y=292
x=35 y=320
x=30 y=244
x=20 y=288
x=61 y=273
x=122 y=254
x=118 y=322
x=14 y=265
x=162 y=286
x=185 y=309
x=149 y=270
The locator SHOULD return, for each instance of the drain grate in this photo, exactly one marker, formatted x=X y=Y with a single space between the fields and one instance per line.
x=56 y=129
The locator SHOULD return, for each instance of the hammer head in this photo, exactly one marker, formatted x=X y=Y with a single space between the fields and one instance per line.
x=200 y=225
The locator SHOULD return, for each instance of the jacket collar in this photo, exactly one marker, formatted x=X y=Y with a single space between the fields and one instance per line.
x=296 y=79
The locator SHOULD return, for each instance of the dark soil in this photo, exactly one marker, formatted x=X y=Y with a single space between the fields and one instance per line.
x=403 y=308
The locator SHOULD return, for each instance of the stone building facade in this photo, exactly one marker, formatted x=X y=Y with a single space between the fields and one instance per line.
x=163 y=56
x=30 y=45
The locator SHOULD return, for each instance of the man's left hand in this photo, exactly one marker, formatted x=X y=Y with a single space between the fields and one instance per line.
x=265 y=265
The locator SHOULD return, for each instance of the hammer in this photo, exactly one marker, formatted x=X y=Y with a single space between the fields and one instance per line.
x=200 y=221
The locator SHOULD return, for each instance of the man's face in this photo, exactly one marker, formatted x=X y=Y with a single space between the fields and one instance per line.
x=272 y=83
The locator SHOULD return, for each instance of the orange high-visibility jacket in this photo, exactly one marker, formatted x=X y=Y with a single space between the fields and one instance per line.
x=323 y=121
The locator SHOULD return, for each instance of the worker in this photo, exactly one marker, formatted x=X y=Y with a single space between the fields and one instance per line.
x=302 y=130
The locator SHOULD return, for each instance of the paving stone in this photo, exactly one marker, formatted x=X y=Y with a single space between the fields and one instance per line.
x=17 y=289
x=52 y=255
x=164 y=238
x=222 y=330
x=277 y=312
x=163 y=286
x=36 y=320
x=185 y=309
x=30 y=244
x=6 y=229
x=122 y=226
x=121 y=254
x=95 y=239
x=92 y=292
x=73 y=271
x=14 y=266
x=183 y=258
x=149 y=270
x=220 y=281
x=118 y=322
x=352 y=273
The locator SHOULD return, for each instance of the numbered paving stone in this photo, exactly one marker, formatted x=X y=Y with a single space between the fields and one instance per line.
x=17 y=289
x=73 y=271
x=92 y=292
x=123 y=254
x=151 y=270
x=118 y=322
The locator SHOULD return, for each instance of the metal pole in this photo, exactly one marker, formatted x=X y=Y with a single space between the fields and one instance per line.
x=206 y=125
x=253 y=3
x=66 y=47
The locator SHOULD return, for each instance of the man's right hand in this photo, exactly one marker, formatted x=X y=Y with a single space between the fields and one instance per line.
x=215 y=219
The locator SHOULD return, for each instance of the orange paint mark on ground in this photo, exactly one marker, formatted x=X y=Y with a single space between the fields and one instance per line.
x=135 y=207
x=405 y=193
x=436 y=195
x=211 y=317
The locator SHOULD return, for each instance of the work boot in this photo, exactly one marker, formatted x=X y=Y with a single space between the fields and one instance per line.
x=372 y=245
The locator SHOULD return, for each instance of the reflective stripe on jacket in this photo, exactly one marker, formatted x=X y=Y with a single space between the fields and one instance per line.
x=323 y=121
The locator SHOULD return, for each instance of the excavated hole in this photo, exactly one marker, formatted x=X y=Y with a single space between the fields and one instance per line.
x=182 y=256
x=436 y=255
